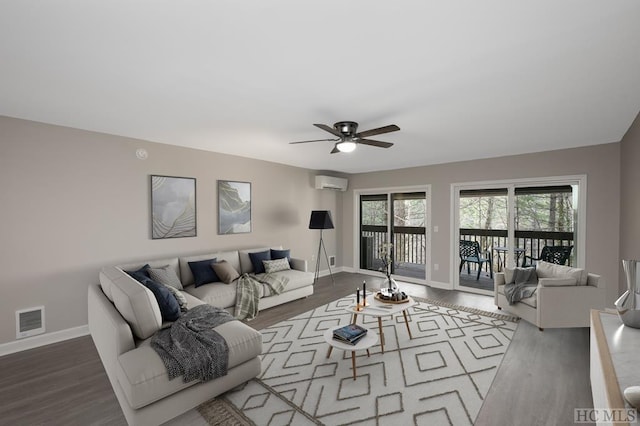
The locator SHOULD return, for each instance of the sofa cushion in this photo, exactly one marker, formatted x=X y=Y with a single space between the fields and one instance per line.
x=531 y=301
x=277 y=265
x=135 y=302
x=105 y=285
x=225 y=271
x=192 y=301
x=256 y=260
x=297 y=279
x=551 y=270
x=165 y=275
x=186 y=276
x=215 y=294
x=144 y=379
x=106 y=275
x=203 y=272
x=557 y=282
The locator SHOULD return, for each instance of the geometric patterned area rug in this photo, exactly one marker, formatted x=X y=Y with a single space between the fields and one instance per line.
x=440 y=377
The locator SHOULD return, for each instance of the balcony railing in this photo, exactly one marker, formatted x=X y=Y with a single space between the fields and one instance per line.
x=410 y=244
x=531 y=242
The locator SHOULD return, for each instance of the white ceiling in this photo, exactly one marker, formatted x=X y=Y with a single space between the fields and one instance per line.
x=463 y=79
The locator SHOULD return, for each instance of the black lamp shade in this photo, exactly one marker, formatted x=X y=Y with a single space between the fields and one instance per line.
x=320 y=219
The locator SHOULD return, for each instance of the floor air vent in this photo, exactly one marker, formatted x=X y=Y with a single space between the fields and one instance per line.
x=29 y=322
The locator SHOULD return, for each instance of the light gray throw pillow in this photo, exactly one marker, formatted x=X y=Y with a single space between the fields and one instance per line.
x=551 y=270
x=276 y=265
x=165 y=275
x=182 y=301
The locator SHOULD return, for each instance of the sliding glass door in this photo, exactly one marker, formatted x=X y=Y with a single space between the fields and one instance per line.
x=514 y=224
x=399 y=218
x=374 y=232
x=483 y=245
x=545 y=216
x=408 y=211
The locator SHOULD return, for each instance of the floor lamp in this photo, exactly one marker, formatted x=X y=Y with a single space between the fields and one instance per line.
x=321 y=219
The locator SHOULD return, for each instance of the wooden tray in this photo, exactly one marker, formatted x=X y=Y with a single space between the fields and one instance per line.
x=393 y=302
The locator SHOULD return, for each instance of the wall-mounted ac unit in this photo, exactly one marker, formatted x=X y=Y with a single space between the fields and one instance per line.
x=330 y=182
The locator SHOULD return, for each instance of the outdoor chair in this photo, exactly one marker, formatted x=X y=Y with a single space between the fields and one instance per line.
x=470 y=253
x=552 y=254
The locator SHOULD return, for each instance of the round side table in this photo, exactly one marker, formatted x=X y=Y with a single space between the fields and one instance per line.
x=363 y=344
x=378 y=309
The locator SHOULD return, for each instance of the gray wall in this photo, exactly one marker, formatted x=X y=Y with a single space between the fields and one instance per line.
x=630 y=197
x=73 y=201
x=601 y=164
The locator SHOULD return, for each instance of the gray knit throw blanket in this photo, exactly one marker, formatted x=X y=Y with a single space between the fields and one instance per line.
x=191 y=348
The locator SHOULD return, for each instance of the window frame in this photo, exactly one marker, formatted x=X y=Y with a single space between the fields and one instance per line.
x=511 y=185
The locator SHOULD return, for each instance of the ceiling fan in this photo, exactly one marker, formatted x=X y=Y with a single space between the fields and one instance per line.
x=348 y=138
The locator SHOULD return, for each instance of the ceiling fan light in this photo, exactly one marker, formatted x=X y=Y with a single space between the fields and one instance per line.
x=346 y=146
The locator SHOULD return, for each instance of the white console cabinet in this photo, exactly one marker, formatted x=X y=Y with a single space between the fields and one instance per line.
x=614 y=353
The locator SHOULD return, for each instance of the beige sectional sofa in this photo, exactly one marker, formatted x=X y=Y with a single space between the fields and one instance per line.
x=124 y=315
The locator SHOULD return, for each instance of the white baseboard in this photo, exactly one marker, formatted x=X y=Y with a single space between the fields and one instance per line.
x=437 y=284
x=43 y=339
x=325 y=272
x=434 y=284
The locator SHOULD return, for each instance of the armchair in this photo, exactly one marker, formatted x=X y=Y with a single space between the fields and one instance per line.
x=564 y=296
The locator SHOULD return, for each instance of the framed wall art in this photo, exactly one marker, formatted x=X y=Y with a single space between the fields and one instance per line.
x=234 y=207
x=173 y=207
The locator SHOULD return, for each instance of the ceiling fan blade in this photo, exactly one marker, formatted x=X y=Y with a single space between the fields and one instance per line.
x=329 y=129
x=314 y=140
x=379 y=144
x=335 y=150
x=378 y=131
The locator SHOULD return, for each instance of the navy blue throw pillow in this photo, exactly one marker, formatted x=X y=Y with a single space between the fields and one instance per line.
x=257 y=258
x=280 y=254
x=140 y=274
x=203 y=272
x=144 y=271
x=169 y=306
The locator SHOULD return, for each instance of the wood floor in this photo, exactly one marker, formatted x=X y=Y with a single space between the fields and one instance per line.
x=543 y=377
x=485 y=282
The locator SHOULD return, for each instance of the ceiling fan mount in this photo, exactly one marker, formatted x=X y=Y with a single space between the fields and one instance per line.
x=347 y=136
x=347 y=128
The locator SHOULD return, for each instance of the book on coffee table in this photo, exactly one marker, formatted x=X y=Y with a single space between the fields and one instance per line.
x=350 y=334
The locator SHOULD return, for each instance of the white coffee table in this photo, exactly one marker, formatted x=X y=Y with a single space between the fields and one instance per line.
x=378 y=309
x=365 y=343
